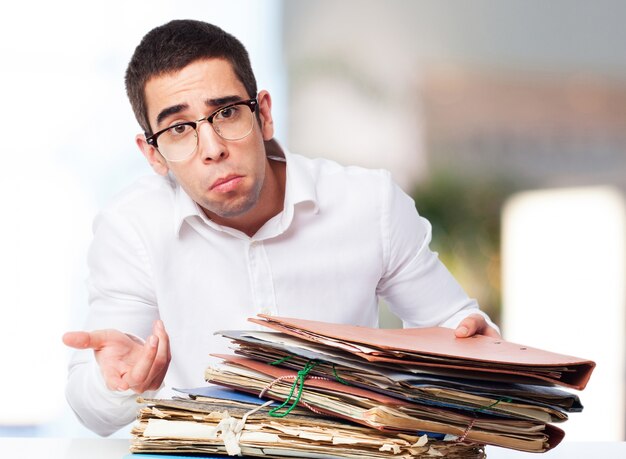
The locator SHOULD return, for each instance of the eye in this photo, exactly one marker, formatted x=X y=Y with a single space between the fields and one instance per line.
x=179 y=130
x=228 y=113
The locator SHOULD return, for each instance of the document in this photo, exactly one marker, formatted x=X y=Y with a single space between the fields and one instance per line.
x=543 y=403
x=332 y=398
x=212 y=425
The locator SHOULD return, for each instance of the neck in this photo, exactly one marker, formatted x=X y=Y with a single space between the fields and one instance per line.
x=270 y=202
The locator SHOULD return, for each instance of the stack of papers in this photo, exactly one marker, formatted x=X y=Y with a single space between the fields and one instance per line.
x=348 y=391
x=201 y=424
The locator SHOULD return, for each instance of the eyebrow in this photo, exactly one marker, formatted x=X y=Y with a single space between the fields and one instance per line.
x=222 y=101
x=216 y=102
x=170 y=111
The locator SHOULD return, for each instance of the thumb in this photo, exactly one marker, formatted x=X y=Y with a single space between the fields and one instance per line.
x=84 y=340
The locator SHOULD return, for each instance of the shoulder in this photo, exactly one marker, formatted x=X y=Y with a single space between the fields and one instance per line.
x=366 y=195
x=147 y=201
x=148 y=190
x=326 y=172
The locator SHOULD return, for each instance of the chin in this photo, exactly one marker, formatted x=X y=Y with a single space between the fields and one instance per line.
x=235 y=210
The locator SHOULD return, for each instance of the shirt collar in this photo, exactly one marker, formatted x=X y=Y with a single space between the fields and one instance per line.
x=299 y=189
x=185 y=208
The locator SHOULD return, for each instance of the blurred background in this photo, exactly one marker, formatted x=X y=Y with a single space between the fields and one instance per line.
x=504 y=119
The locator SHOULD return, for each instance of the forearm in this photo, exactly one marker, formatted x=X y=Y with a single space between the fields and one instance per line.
x=121 y=297
x=425 y=294
x=99 y=409
x=417 y=286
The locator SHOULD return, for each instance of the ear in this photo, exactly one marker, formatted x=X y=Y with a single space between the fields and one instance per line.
x=158 y=163
x=265 y=113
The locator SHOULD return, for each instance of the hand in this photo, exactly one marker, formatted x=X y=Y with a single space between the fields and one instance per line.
x=475 y=324
x=124 y=361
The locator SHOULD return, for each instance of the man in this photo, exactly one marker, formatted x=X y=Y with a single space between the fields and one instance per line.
x=230 y=226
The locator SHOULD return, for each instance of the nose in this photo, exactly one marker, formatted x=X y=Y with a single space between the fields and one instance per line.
x=211 y=146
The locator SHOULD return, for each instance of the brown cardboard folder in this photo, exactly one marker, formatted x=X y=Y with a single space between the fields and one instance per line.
x=438 y=347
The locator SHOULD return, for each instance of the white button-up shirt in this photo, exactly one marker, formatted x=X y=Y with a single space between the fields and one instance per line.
x=346 y=237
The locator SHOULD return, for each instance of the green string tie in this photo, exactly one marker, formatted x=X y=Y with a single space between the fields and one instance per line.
x=288 y=357
x=338 y=378
x=299 y=382
x=484 y=408
x=284 y=359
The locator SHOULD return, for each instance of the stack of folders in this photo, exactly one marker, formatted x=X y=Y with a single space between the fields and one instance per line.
x=348 y=391
x=214 y=422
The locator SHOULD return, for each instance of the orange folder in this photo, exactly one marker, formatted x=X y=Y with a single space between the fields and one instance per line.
x=438 y=347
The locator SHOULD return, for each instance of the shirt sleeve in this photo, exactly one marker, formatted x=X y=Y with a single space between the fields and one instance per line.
x=121 y=296
x=416 y=285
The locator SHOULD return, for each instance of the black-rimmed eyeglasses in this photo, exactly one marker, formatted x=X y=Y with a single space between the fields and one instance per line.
x=179 y=141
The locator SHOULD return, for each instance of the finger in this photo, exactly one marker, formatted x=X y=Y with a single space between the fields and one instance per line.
x=475 y=324
x=85 y=340
x=137 y=376
x=162 y=358
x=483 y=328
x=469 y=326
x=491 y=332
x=113 y=379
x=77 y=339
x=163 y=353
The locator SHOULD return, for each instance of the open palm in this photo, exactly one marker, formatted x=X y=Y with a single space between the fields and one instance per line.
x=125 y=361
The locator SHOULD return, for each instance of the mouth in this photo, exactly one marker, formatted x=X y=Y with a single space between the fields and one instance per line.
x=226 y=184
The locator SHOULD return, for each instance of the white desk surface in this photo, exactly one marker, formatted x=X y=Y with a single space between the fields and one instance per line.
x=96 y=448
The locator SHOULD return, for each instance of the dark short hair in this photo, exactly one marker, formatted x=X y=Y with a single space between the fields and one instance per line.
x=173 y=46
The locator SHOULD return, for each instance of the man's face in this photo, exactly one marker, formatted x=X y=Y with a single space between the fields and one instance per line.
x=224 y=177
